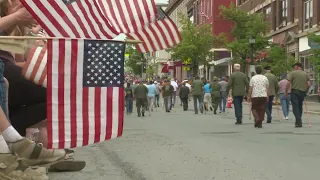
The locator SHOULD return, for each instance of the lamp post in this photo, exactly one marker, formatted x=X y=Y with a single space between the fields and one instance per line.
x=252 y=67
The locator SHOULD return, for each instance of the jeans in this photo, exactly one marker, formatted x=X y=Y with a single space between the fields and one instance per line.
x=129 y=105
x=297 y=98
x=156 y=100
x=197 y=98
x=237 y=101
x=166 y=101
x=285 y=104
x=269 y=108
x=3 y=91
x=173 y=99
x=223 y=103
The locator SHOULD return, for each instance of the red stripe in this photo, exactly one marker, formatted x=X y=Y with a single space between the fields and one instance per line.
x=57 y=8
x=158 y=41
x=86 y=16
x=73 y=92
x=97 y=114
x=121 y=111
x=61 y=73
x=29 y=60
x=145 y=5
x=122 y=16
x=142 y=22
x=114 y=15
x=49 y=95
x=109 y=109
x=165 y=23
x=133 y=22
x=162 y=34
x=79 y=21
x=85 y=115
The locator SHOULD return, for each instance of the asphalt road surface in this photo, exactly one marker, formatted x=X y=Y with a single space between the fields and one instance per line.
x=184 y=146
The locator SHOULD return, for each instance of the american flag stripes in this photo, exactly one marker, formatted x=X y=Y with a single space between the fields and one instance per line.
x=35 y=68
x=71 y=18
x=128 y=16
x=159 y=35
x=85 y=95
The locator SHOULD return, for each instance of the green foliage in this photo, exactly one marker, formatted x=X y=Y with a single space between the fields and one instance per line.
x=279 y=60
x=195 y=45
x=316 y=54
x=245 y=26
x=133 y=62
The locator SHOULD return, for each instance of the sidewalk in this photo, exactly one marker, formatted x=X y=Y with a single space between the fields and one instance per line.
x=313 y=107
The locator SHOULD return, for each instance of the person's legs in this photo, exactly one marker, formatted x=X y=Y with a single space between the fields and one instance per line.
x=269 y=109
x=301 y=97
x=138 y=105
x=195 y=104
x=284 y=105
x=288 y=105
x=295 y=107
x=237 y=100
x=255 y=110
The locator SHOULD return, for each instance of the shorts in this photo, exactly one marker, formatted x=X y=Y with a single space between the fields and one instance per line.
x=3 y=90
x=207 y=98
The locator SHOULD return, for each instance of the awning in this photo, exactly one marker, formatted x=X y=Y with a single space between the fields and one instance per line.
x=165 y=69
x=220 y=61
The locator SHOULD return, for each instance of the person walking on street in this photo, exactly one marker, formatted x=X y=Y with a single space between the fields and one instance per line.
x=238 y=83
x=258 y=96
x=129 y=98
x=207 y=96
x=299 y=82
x=151 y=95
x=175 y=86
x=215 y=95
x=222 y=105
x=197 y=93
x=140 y=94
x=284 y=100
x=167 y=91
x=184 y=96
x=157 y=96
x=273 y=91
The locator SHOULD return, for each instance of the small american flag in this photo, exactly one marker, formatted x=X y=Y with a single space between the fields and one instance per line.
x=71 y=18
x=85 y=91
x=128 y=16
x=159 y=35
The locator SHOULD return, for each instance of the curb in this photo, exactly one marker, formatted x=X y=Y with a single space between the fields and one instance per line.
x=310 y=112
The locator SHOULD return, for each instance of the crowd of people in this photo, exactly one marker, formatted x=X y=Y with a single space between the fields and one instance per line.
x=261 y=91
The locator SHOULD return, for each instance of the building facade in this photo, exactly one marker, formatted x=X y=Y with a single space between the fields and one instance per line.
x=290 y=22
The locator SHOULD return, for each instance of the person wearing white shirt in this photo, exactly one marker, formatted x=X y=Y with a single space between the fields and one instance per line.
x=258 y=96
x=174 y=94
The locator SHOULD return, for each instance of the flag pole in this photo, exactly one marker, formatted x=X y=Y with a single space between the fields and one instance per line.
x=129 y=41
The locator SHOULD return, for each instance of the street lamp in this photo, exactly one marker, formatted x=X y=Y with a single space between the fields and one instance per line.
x=252 y=67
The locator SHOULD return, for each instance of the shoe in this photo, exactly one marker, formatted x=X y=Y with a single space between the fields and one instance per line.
x=298 y=125
x=238 y=122
x=259 y=125
x=12 y=169
x=30 y=153
x=142 y=114
x=287 y=118
x=269 y=121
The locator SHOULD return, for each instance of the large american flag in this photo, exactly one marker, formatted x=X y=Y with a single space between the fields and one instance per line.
x=71 y=18
x=85 y=91
x=159 y=35
x=128 y=16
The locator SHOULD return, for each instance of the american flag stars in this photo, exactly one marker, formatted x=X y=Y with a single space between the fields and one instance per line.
x=103 y=63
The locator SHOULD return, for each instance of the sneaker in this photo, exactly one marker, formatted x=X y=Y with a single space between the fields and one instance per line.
x=11 y=169
x=287 y=118
x=32 y=154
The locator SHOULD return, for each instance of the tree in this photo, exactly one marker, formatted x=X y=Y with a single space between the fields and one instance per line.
x=197 y=40
x=316 y=54
x=135 y=60
x=245 y=26
x=279 y=60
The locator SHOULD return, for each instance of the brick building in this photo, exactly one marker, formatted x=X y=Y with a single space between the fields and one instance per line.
x=206 y=12
x=290 y=21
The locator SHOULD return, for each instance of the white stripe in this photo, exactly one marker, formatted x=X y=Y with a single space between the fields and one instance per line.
x=166 y=32
x=173 y=30
x=136 y=16
x=71 y=17
x=108 y=14
x=152 y=36
x=146 y=40
x=103 y=113
x=60 y=19
x=102 y=21
x=54 y=89
x=140 y=45
x=158 y=33
x=81 y=16
x=45 y=83
x=126 y=15
x=41 y=68
x=144 y=15
x=33 y=62
x=67 y=93
x=80 y=93
x=43 y=18
x=152 y=13
x=115 y=112
x=91 y=115
x=117 y=15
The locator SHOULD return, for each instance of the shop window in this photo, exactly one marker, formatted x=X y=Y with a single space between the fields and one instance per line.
x=307 y=14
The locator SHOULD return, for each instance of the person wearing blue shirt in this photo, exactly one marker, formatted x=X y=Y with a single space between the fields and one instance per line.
x=152 y=90
x=207 y=95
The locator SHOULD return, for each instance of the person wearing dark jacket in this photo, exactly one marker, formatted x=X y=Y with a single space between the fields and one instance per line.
x=184 y=95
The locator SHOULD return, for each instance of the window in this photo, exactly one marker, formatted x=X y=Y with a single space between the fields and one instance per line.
x=267 y=10
x=284 y=12
x=190 y=15
x=307 y=14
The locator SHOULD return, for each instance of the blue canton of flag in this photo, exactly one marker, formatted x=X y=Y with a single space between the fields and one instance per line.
x=103 y=64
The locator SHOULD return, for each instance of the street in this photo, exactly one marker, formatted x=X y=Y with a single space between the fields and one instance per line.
x=184 y=146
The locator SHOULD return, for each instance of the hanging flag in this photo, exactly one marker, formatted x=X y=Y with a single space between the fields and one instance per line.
x=128 y=16
x=71 y=18
x=159 y=35
x=85 y=94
